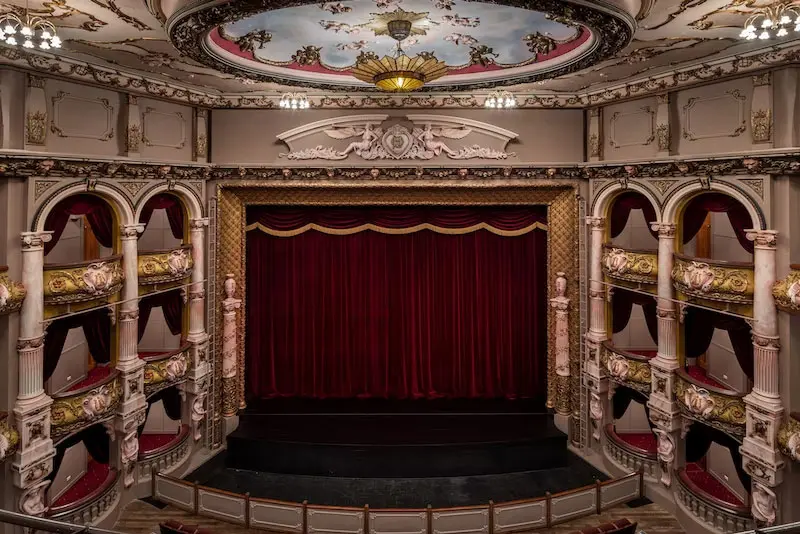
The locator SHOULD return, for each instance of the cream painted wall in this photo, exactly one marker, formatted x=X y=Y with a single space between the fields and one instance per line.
x=629 y=130
x=720 y=464
x=722 y=363
x=248 y=137
x=72 y=468
x=157 y=235
x=158 y=422
x=636 y=235
x=634 y=420
x=167 y=130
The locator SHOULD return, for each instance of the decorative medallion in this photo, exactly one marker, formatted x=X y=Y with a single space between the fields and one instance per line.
x=718 y=282
x=632 y=266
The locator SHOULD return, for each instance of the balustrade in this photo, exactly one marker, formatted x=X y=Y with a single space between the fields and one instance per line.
x=11 y=293
x=628 y=456
x=718 y=514
x=626 y=368
x=85 y=281
x=166 y=369
x=76 y=409
x=164 y=266
x=718 y=282
x=718 y=407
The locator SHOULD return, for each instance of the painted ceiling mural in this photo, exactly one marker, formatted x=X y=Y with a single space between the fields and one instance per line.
x=129 y=35
x=473 y=39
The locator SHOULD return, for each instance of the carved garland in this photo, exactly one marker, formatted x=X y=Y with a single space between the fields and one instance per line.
x=727 y=413
x=72 y=413
x=629 y=372
x=787 y=292
x=167 y=371
x=83 y=283
x=789 y=438
x=158 y=267
x=631 y=266
x=11 y=294
x=713 y=282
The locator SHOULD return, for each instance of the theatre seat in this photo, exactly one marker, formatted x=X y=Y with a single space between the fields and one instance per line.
x=176 y=527
x=620 y=526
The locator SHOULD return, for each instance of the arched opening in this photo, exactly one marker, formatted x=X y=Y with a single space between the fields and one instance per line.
x=84 y=228
x=164 y=218
x=630 y=215
x=712 y=226
x=162 y=428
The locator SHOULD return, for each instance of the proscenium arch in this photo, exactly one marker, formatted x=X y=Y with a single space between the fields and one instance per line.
x=116 y=198
x=604 y=201
x=683 y=194
x=187 y=196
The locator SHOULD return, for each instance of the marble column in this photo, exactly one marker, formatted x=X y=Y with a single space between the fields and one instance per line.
x=596 y=378
x=664 y=411
x=197 y=383
x=764 y=410
x=230 y=395
x=33 y=460
x=132 y=409
x=561 y=306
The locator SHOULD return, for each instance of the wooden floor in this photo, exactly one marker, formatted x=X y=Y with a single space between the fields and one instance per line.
x=142 y=518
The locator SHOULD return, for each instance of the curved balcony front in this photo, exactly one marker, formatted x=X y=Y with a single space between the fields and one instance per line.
x=166 y=456
x=634 y=268
x=156 y=267
x=719 y=283
x=165 y=369
x=86 y=281
x=9 y=438
x=11 y=293
x=787 y=291
x=89 y=498
x=627 y=368
x=81 y=407
x=706 y=505
x=632 y=452
x=702 y=399
x=789 y=437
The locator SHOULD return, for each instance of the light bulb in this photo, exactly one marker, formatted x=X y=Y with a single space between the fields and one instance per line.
x=401 y=82
x=27 y=44
x=9 y=29
x=782 y=32
x=46 y=35
x=11 y=41
x=44 y=45
x=764 y=35
x=26 y=31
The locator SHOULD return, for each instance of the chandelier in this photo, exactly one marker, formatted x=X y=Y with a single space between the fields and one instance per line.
x=772 y=21
x=500 y=100
x=294 y=101
x=401 y=72
x=31 y=31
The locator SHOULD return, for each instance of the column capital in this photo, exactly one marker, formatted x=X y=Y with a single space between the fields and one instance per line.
x=665 y=230
x=764 y=239
x=198 y=224
x=35 y=240
x=131 y=231
x=597 y=223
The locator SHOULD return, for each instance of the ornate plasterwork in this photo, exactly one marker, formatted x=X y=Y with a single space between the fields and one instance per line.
x=789 y=438
x=9 y=438
x=666 y=455
x=164 y=266
x=764 y=505
x=11 y=294
x=787 y=291
x=632 y=266
x=714 y=281
x=651 y=119
x=63 y=98
x=723 y=411
x=165 y=370
x=65 y=284
x=148 y=133
x=36 y=127
x=761 y=125
x=626 y=369
x=741 y=121
x=72 y=412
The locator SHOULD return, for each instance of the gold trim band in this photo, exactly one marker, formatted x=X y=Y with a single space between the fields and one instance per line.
x=395 y=231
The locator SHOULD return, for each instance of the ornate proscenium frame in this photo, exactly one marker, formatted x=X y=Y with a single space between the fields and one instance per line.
x=560 y=197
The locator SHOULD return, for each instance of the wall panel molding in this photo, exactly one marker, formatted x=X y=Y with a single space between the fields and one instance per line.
x=92 y=110
x=162 y=128
x=735 y=103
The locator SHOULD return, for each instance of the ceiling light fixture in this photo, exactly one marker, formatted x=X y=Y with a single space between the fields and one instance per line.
x=294 y=101
x=401 y=72
x=30 y=32
x=500 y=100
x=772 y=21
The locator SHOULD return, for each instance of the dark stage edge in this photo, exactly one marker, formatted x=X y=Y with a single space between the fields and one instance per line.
x=400 y=492
x=396 y=445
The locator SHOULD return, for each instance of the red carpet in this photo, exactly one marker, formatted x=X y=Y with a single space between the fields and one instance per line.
x=152 y=442
x=699 y=374
x=96 y=475
x=645 y=441
x=711 y=485
x=95 y=375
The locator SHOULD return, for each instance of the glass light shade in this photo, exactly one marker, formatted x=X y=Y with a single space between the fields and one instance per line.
x=56 y=41
x=785 y=19
x=26 y=31
x=766 y=23
x=46 y=35
x=11 y=41
x=9 y=29
x=399 y=81
x=764 y=35
x=782 y=32
x=27 y=44
x=44 y=45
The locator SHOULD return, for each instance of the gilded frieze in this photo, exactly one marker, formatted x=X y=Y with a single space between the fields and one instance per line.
x=11 y=293
x=9 y=438
x=717 y=281
x=632 y=266
x=162 y=266
x=714 y=407
x=36 y=127
x=166 y=370
x=81 y=282
x=787 y=291
x=789 y=437
x=626 y=368
x=74 y=411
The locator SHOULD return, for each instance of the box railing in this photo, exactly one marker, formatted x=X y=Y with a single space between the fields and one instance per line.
x=284 y=517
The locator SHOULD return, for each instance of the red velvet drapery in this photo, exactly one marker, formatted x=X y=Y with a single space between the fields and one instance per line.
x=97 y=212
x=169 y=203
x=621 y=210
x=171 y=304
x=455 y=311
x=699 y=206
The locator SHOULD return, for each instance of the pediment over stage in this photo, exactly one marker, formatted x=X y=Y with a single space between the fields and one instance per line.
x=412 y=137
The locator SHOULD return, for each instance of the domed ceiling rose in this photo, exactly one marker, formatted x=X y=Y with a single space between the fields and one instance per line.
x=310 y=44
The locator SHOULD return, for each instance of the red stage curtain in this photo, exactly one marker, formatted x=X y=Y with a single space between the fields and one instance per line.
x=96 y=210
x=621 y=210
x=699 y=206
x=174 y=212
x=454 y=312
x=171 y=304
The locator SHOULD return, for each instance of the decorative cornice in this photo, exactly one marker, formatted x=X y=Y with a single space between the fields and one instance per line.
x=699 y=73
x=40 y=166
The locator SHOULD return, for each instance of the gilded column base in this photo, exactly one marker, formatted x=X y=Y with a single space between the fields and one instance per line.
x=562 y=404
x=230 y=397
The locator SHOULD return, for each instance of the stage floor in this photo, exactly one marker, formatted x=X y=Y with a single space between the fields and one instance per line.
x=397 y=492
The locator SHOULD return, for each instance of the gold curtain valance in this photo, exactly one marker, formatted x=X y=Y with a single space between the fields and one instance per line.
x=395 y=231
